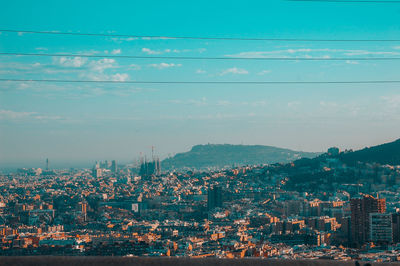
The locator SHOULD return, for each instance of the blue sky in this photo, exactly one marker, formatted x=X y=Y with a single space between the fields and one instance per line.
x=80 y=123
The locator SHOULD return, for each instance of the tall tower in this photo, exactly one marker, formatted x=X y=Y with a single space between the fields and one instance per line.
x=214 y=198
x=114 y=167
x=158 y=166
x=360 y=217
x=97 y=171
x=47 y=164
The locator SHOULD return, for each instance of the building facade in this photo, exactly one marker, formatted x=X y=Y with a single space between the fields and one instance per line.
x=360 y=217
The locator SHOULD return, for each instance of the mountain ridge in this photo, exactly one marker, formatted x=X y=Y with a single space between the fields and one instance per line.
x=386 y=153
x=225 y=155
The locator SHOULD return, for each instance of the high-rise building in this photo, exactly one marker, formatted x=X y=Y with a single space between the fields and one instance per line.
x=96 y=172
x=158 y=166
x=114 y=167
x=396 y=227
x=380 y=226
x=83 y=207
x=214 y=198
x=357 y=229
x=360 y=218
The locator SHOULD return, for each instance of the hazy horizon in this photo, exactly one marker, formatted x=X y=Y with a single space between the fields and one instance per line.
x=87 y=163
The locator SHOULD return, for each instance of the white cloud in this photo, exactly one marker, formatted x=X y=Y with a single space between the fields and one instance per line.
x=261 y=54
x=259 y=103
x=46 y=117
x=102 y=64
x=365 y=52
x=149 y=51
x=110 y=77
x=13 y=115
x=157 y=38
x=328 y=104
x=234 y=70
x=291 y=53
x=216 y=116
x=116 y=51
x=396 y=47
x=129 y=39
x=201 y=102
x=197 y=102
x=165 y=65
x=351 y=62
x=200 y=71
x=22 y=86
x=153 y=52
x=74 y=62
x=119 y=77
x=8 y=114
x=93 y=69
x=392 y=101
x=264 y=72
x=223 y=103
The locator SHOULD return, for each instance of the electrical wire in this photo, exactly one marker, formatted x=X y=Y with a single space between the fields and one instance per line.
x=347 y=1
x=202 y=82
x=207 y=58
x=196 y=37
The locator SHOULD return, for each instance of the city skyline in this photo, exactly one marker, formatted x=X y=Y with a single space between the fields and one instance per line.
x=340 y=206
x=207 y=132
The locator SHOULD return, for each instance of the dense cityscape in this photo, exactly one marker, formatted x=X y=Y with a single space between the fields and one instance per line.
x=328 y=207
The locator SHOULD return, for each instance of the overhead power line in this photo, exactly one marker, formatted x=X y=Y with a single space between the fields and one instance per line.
x=347 y=1
x=203 y=82
x=205 y=58
x=197 y=37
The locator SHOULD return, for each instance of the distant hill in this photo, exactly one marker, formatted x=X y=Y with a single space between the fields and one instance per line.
x=226 y=155
x=388 y=153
